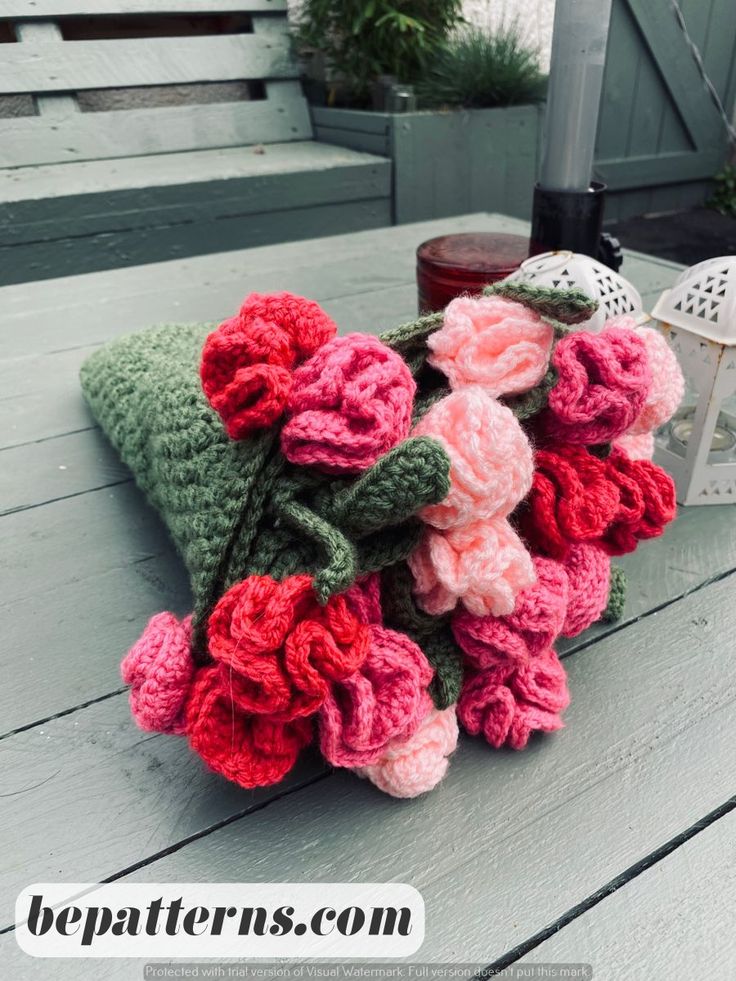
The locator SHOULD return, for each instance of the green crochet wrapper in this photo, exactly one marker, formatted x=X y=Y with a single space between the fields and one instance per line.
x=237 y=508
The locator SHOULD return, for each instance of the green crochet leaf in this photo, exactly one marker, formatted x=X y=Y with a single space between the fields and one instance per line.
x=570 y=306
x=616 y=595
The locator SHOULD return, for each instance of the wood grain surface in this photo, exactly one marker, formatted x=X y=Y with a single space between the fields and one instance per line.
x=509 y=846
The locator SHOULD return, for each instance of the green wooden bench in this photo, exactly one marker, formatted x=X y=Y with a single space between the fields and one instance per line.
x=139 y=130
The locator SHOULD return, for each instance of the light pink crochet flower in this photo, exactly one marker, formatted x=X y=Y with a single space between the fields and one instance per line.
x=349 y=404
x=588 y=571
x=636 y=447
x=489 y=341
x=484 y=564
x=668 y=384
x=507 y=707
x=159 y=668
x=491 y=461
x=603 y=383
x=415 y=765
x=385 y=699
x=535 y=624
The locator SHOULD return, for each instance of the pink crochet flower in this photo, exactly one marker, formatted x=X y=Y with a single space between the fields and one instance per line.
x=638 y=447
x=159 y=668
x=668 y=384
x=489 y=341
x=491 y=461
x=588 y=571
x=535 y=624
x=415 y=765
x=484 y=564
x=350 y=403
x=364 y=599
x=603 y=383
x=385 y=699
x=507 y=707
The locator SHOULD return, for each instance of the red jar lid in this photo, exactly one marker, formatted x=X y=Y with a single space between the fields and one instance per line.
x=450 y=265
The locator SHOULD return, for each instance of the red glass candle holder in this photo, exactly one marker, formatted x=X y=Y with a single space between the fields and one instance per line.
x=451 y=265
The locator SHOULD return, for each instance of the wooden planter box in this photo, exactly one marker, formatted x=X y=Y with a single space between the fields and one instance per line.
x=446 y=163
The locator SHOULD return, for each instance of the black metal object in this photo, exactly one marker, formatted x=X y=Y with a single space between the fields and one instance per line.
x=571 y=220
x=609 y=252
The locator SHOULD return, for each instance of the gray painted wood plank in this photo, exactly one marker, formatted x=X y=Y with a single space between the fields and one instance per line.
x=650 y=171
x=86 y=573
x=42 y=398
x=109 y=250
x=23 y=187
x=525 y=835
x=355 y=139
x=47 y=67
x=126 y=795
x=100 y=306
x=679 y=72
x=356 y=120
x=31 y=140
x=37 y=473
x=43 y=9
x=674 y=920
x=208 y=199
x=55 y=106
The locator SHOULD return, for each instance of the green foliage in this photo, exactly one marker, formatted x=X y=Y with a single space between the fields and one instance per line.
x=362 y=39
x=478 y=69
x=723 y=198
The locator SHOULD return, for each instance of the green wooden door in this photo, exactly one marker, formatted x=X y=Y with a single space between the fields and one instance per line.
x=660 y=137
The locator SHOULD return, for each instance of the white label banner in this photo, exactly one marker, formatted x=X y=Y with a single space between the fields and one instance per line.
x=220 y=919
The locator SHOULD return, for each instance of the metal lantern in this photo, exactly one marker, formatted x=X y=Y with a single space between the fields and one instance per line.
x=698 y=446
x=564 y=270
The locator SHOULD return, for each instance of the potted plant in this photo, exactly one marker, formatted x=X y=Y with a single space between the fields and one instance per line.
x=472 y=144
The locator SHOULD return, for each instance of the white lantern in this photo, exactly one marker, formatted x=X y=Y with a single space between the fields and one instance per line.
x=698 y=446
x=564 y=270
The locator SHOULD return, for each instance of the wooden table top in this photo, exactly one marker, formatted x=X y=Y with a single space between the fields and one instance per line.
x=610 y=843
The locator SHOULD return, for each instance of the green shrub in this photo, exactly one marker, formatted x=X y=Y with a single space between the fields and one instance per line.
x=479 y=69
x=723 y=198
x=362 y=39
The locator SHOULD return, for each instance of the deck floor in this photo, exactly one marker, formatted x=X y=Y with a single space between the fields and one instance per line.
x=610 y=843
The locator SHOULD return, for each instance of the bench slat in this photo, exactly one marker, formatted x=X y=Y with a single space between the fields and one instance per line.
x=49 y=9
x=281 y=118
x=50 y=67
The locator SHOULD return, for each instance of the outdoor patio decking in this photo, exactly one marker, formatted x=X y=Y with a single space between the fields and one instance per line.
x=610 y=843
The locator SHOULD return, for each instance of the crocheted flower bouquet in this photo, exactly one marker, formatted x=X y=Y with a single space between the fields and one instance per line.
x=384 y=536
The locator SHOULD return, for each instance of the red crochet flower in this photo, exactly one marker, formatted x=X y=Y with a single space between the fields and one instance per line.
x=647 y=502
x=247 y=362
x=602 y=386
x=588 y=571
x=510 y=641
x=571 y=500
x=251 y=750
x=278 y=650
x=386 y=699
x=508 y=706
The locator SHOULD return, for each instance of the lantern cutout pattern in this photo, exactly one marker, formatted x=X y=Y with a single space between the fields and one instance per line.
x=565 y=270
x=698 y=445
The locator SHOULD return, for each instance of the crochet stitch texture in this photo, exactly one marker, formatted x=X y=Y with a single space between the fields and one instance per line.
x=384 y=535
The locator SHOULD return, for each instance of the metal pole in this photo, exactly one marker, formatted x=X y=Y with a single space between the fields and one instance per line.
x=573 y=98
x=568 y=207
